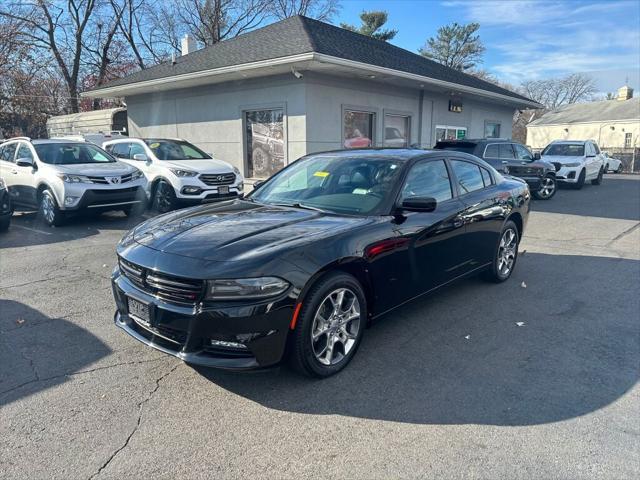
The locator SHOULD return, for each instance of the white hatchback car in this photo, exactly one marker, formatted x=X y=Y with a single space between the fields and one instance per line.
x=178 y=172
x=576 y=161
x=62 y=176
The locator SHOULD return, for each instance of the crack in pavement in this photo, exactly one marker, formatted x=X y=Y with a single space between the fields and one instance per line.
x=623 y=234
x=138 y=422
x=73 y=374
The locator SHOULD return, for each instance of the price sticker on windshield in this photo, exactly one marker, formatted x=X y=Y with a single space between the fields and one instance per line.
x=321 y=174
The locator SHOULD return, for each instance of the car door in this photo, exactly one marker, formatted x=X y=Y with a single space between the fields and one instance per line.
x=491 y=155
x=434 y=239
x=590 y=160
x=523 y=154
x=483 y=212
x=26 y=182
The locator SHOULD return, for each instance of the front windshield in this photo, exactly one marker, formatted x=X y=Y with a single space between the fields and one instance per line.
x=72 y=154
x=333 y=183
x=564 y=150
x=165 y=149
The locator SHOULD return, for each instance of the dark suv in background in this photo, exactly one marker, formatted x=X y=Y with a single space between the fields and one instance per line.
x=512 y=158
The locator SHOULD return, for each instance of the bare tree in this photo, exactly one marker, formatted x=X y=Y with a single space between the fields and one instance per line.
x=555 y=92
x=456 y=46
x=323 y=10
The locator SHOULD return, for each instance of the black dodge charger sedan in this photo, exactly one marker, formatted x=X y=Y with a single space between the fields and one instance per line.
x=300 y=266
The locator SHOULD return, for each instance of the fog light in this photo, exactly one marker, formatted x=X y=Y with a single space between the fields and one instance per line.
x=70 y=200
x=191 y=190
x=226 y=344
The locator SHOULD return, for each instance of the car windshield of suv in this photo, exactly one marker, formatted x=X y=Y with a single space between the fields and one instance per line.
x=564 y=150
x=72 y=154
x=175 y=150
x=332 y=183
x=465 y=147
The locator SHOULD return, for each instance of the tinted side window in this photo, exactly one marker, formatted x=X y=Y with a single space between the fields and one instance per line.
x=492 y=151
x=486 y=177
x=522 y=153
x=506 y=152
x=24 y=152
x=468 y=175
x=136 y=148
x=596 y=148
x=428 y=179
x=121 y=150
x=8 y=152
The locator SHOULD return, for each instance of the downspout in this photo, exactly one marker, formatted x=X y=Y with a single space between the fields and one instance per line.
x=420 y=109
x=431 y=129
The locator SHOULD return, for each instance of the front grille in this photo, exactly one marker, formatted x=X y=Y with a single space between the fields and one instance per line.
x=104 y=181
x=217 y=179
x=167 y=287
x=558 y=165
x=524 y=171
x=115 y=191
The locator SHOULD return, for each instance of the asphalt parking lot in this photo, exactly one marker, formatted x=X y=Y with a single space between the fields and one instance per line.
x=447 y=387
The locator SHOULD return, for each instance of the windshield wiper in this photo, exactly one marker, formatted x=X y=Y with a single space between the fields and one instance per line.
x=299 y=205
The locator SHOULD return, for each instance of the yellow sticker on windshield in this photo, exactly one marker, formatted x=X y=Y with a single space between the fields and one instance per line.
x=154 y=145
x=321 y=174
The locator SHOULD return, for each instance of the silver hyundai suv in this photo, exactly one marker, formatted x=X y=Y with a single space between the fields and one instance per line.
x=62 y=176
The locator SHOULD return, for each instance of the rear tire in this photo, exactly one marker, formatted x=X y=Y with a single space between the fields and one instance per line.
x=598 y=180
x=49 y=210
x=581 y=178
x=506 y=256
x=164 y=197
x=548 y=187
x=330 y=326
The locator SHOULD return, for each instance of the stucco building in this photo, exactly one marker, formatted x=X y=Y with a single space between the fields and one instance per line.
x=269 y=96
x=614 y=124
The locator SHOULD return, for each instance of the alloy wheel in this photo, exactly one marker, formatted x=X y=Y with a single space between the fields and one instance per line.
x=335 y=326
x=507 y=251
x=163 y=197
x=48 y=208
x=547 y=187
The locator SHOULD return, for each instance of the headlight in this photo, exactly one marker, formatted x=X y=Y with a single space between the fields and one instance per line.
x=236 y=171
x=245 y=288
x=74 y=178
x=183 y=173
x=575 y=164
x=136 y=175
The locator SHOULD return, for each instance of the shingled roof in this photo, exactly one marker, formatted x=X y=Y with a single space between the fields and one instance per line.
x=603 y=111
x=299 y=35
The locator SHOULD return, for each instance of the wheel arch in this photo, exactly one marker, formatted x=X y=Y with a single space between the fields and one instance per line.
x=154 y=185
x=42 y=186
x=516 y=218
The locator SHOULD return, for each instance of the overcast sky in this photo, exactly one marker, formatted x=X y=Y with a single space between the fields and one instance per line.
x=528 y=39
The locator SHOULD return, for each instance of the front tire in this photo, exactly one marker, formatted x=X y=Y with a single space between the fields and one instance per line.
x=598 y=180
x=506 y=255
x=164 y=197
x=49 y=210
x=581 y=178
x=330 y=326
x=548 y=187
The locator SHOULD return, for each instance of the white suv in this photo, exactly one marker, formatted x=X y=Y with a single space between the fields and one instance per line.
x=576 y=161
x=178 y=172
x=61 y=176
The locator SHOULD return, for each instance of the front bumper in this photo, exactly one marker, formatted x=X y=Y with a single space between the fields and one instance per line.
x=533 y=182
x=186 y=331
x=105 y=199
x=568 y=174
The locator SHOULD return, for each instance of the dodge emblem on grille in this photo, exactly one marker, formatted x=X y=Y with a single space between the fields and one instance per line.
x=114 y=180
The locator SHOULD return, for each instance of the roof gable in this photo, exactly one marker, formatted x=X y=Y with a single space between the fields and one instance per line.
x=606 y=110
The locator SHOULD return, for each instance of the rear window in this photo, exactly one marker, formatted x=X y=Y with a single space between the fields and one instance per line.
x=564 y=149
x=465 y=147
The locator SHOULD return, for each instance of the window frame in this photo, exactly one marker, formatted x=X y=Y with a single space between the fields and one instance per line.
x=628 y=136
x=492 y=122
x=374 y=124
x=460 y=193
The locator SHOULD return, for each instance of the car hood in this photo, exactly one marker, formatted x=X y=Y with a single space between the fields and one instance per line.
x=562 y=159
x=96 y=169
x=201 y=166
x=238 y=230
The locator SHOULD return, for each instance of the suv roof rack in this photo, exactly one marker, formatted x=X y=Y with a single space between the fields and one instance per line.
x=17 y=138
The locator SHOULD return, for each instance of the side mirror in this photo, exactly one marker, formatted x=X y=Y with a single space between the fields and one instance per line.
x=25 y=162
x=419 y=204
x=140 y=157
x=258 y=184
x=536 y=156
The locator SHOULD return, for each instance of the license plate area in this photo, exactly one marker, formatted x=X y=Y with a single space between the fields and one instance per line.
x=223 y=190
x=141 y=312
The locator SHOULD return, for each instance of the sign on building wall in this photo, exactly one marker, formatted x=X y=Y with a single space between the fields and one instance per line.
x=455 y=106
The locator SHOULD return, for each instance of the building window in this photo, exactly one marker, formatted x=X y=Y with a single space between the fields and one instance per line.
x=445 y=132
x=265 y=142
x=491 y=130
x=396 y=130
x=627 y=140
x=358 y=128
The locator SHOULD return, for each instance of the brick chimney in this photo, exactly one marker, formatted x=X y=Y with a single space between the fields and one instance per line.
x=188 y=45
x=624 y=93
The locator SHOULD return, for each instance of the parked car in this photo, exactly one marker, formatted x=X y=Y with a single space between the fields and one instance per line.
x=510 y=157
x=307 y=259
x=178 y=172
x=6 y=209
x=59 y=177
x=575 y=161
x=612 y=164
x=97 y=138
